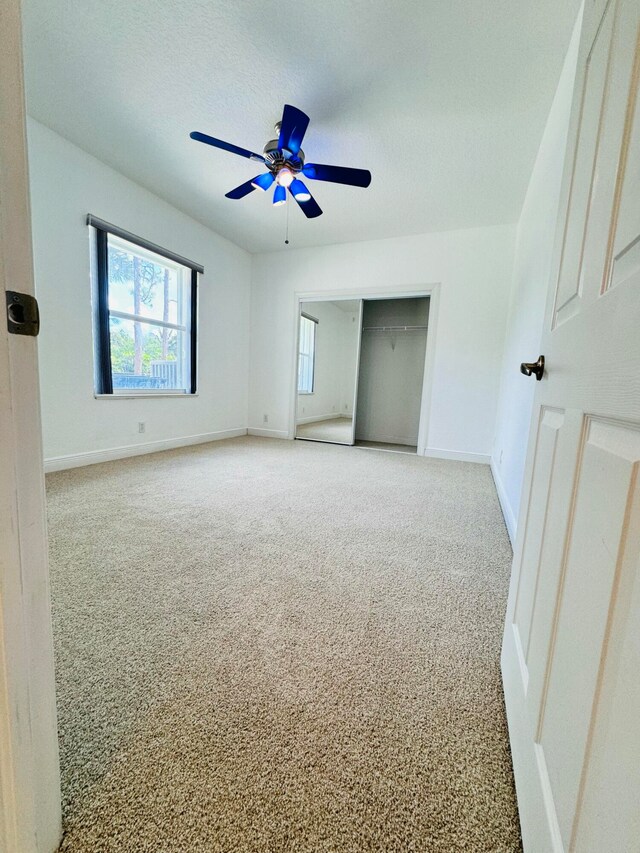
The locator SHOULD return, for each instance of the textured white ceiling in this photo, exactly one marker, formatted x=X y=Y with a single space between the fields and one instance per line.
x=443 y=100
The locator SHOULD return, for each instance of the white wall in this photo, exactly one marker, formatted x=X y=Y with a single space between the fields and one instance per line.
x=532 y=267
x=473 y=268
x=66 y=184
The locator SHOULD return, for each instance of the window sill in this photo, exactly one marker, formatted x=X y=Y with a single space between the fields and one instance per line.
x=305 y=393
x=143 y=396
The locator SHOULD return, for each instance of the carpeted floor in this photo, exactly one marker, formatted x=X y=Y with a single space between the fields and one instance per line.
x=267 y=646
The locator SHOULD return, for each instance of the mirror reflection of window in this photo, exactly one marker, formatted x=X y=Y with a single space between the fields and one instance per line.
x=307 y=354
x=329 y=336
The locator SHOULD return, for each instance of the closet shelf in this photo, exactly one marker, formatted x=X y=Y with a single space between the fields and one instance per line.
x=394 y=328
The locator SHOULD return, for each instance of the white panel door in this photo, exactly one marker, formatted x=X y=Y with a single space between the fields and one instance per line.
x=571 y=652
x=30 y=814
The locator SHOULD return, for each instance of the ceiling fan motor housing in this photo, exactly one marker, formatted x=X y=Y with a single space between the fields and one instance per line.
x=277 y=158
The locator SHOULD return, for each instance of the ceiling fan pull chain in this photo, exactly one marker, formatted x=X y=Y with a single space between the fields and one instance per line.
x=286 y=236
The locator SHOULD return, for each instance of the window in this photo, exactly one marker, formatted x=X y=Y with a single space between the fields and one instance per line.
x=146 y=317
x=306 y=354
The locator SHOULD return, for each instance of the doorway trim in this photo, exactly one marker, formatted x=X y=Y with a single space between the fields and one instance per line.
x=430 y=291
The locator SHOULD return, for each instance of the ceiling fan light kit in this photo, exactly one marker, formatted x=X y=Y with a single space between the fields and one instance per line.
x=299 y=191
x=279 y=196
x=285 y=162
x=284 y=176
x=263 y=182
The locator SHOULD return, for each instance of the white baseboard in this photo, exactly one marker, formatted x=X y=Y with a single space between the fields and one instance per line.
x=329 y=417
x=268 y=433
x=92 y=457
x=505 y=504
x=314 y=418
x=458 y=455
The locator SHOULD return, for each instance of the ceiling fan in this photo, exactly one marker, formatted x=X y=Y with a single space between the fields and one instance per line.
x=284 y=159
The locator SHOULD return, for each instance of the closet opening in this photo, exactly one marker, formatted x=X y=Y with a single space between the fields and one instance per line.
x=391 y=373
x=360 y=374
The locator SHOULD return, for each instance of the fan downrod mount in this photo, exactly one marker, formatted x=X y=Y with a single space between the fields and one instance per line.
x=277 y=158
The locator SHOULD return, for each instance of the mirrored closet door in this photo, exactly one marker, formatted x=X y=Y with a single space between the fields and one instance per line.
x=328 y=356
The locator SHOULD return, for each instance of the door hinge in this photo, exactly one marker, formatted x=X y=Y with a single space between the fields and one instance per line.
x=23 y=316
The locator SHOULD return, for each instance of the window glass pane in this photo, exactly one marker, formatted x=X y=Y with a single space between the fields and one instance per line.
x=148 y=357
x=140 y=283
x=144 y=326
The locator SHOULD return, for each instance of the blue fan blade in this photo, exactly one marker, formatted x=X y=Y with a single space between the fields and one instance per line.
x=225 y=146
x=310 y=208
x=337 y=174
x=263 y=181
x=292 y=128
x=242 y=190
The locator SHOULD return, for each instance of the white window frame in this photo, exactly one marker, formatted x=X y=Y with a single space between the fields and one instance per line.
x=105 y=233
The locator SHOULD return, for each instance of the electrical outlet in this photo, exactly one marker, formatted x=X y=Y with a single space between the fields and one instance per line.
x=265 y=419
x=141 y=426
x=346 y=406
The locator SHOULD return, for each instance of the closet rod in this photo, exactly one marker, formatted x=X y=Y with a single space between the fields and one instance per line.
x=394 y=328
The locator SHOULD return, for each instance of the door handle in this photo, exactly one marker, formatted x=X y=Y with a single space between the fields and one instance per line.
x=23 y=317
x=535 y=367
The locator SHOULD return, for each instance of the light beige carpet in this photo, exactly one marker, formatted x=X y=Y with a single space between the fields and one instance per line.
x=268 y=646
x=335 y=429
